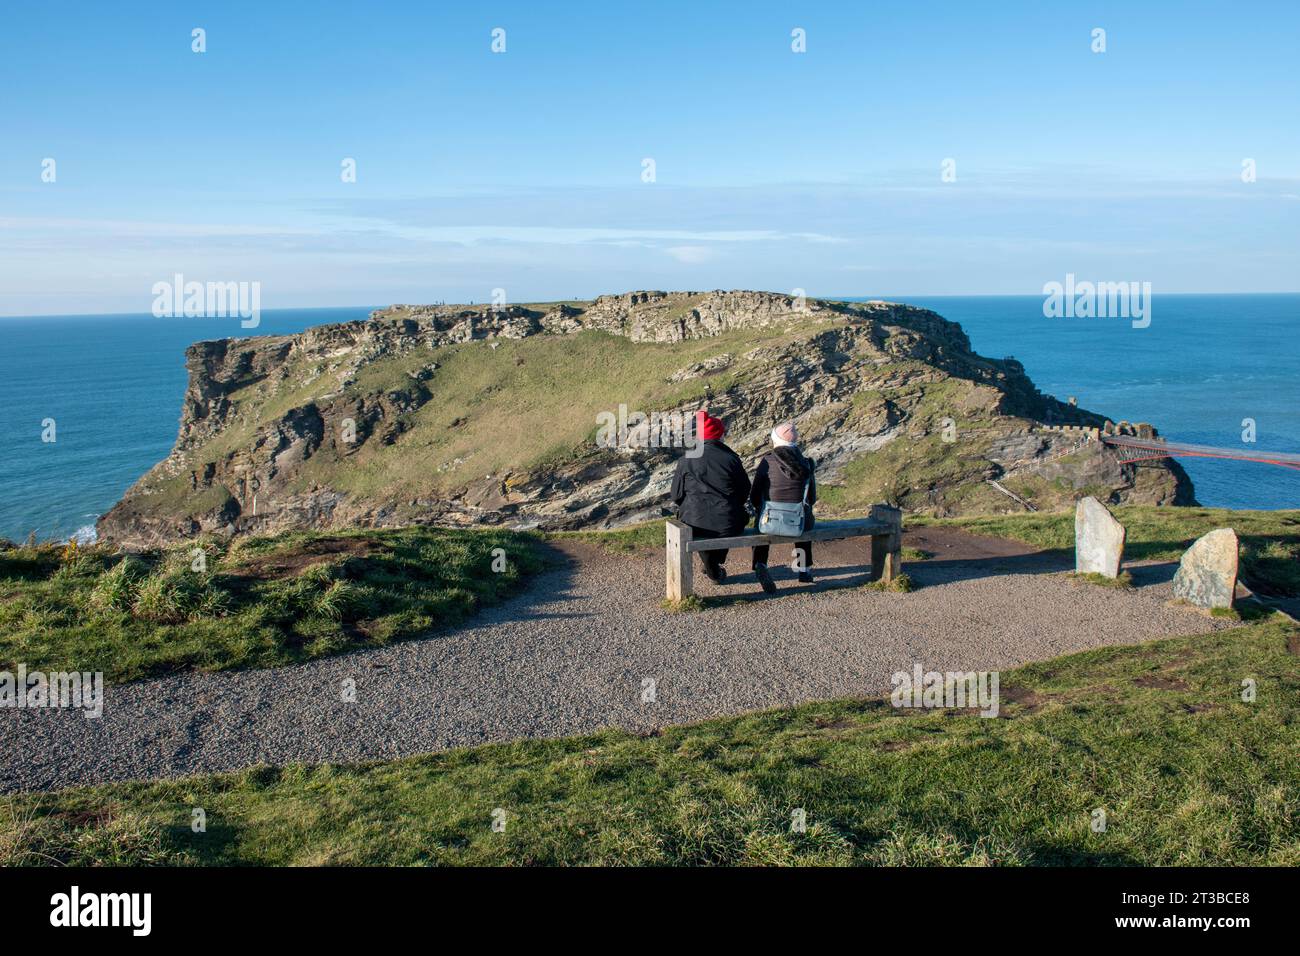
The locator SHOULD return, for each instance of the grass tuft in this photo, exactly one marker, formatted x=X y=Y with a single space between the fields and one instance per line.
x=690 y=604
x=1122 y=581
x=902 y=584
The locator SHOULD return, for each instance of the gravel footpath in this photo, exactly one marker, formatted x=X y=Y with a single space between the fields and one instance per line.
x=571 y=653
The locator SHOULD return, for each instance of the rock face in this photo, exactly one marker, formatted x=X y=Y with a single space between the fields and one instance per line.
x=1207 y=573
x=1098 y=539
x=463 y=414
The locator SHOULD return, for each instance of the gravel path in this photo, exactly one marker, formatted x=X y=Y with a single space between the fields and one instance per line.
x=570 y=656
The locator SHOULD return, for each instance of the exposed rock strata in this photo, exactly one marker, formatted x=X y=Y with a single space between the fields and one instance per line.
x=891 y=400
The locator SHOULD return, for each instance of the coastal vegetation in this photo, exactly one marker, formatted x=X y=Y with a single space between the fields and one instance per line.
x=256 y=602
x=278 y=599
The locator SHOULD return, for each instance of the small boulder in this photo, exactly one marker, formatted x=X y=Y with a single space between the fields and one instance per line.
x=1098 y=539
x=1207 y=573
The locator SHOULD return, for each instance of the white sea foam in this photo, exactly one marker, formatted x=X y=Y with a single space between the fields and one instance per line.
x=86 y=534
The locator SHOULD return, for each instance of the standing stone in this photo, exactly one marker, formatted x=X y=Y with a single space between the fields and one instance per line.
x=1098 y=539
x=1207 y=573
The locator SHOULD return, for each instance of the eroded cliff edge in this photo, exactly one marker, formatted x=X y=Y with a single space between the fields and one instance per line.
x=459 y=414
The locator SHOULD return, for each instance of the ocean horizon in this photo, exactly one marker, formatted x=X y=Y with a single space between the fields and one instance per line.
x=113 y=385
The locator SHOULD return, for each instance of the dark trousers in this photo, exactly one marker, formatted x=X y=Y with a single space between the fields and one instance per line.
x=761 y=552
x=713 y=560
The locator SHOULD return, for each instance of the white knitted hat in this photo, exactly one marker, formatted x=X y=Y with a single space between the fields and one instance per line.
x=785 y=435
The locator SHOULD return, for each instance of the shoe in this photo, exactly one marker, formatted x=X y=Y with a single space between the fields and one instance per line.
x=805 y=577
x=764 y=579
x=717 y=577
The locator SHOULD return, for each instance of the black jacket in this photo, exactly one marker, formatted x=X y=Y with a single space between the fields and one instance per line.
x=780 y=476
x=710 y=491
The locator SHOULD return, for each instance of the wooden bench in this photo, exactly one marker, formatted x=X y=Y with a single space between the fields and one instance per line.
x=884 y=525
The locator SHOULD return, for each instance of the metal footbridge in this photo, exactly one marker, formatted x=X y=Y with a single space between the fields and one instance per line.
x=1130 y=448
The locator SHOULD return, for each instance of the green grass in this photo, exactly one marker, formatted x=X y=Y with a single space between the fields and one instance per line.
x=901 y=584
x=1270 y=540
x=1123 y=581
x=690 y=604
x=262 y=603
x=1157 y=735
x=637 y=537
x=525 y=407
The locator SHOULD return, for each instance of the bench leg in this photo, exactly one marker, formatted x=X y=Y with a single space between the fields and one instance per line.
x=886 y=556
x=893 y=557
x=887 y=549
x=678 y=560
x=879 y=548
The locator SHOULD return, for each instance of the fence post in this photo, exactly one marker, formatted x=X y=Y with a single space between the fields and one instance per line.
x=678 y=560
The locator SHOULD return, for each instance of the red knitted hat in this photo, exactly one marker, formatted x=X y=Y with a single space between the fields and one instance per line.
x=707 y=427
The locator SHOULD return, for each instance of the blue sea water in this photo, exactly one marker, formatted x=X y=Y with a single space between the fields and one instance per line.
x=113 y=385
x=1204 y=365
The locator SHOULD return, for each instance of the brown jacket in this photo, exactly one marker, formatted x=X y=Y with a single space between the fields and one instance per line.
x=781 y=475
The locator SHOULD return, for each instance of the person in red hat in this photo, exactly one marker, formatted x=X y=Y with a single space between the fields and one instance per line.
x=711 y=490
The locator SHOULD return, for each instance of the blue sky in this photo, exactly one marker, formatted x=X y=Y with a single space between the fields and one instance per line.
x=523 y=170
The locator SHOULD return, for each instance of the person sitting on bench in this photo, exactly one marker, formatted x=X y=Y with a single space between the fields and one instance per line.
x=784 y=476
x=711 y=490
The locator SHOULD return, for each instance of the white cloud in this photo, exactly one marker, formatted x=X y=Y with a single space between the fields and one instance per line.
x=691 y=255
x=829 y=238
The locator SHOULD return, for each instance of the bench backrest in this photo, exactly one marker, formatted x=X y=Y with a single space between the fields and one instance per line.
x=877 y=524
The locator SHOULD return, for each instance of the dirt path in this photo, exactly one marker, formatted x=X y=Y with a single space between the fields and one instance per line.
x=579 y=649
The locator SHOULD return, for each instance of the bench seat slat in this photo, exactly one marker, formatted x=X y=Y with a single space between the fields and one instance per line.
x=822 y=531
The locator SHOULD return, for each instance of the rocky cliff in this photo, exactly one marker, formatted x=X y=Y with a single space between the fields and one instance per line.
x=481 y=414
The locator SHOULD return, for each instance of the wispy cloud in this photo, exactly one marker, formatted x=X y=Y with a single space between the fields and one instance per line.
x=1008 y=234
x=692 y=255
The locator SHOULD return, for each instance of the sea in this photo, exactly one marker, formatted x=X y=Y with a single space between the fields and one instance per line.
x=1208 y=369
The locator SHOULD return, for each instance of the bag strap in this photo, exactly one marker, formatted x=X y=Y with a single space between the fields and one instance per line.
x=807 y=485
